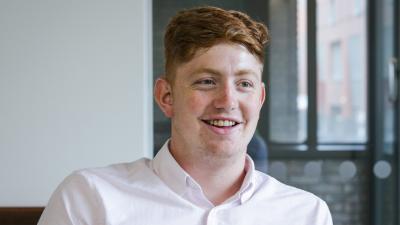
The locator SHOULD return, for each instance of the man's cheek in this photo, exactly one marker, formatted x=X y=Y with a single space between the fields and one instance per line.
x=194 y=104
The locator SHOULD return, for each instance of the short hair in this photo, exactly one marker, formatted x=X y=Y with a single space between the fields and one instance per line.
x=203 y=27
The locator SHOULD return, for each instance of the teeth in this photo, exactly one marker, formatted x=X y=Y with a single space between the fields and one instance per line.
x=222 y=123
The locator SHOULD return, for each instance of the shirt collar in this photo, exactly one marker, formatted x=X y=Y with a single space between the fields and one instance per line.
x=169 y=171
x=248 y=185
x=176 y=178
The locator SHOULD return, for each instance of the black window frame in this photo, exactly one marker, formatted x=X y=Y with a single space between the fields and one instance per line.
x=310 y=148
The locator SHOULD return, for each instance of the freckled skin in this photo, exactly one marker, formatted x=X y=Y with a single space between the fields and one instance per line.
x=221 y=82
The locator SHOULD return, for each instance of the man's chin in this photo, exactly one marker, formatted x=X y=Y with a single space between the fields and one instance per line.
x=224 y=148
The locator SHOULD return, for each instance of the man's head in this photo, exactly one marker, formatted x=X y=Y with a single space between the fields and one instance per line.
x=213 y=91
x=201 y=28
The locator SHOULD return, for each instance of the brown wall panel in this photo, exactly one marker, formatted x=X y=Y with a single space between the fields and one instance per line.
x=20 y=216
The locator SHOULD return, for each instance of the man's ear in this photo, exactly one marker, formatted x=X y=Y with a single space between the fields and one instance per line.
x=163 y=96
x=263 y=93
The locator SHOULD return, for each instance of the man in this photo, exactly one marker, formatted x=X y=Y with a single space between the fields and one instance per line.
x=212 y=92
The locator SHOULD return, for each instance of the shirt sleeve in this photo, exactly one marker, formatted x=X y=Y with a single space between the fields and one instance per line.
x=75 y=202
x=323 y=216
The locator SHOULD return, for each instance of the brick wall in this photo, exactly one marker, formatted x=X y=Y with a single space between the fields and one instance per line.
x=347 y=198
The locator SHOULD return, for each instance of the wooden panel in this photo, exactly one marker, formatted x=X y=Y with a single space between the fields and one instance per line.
x=20 y=216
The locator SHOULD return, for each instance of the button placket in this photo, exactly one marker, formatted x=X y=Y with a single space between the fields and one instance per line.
x=212 y=217
x=216 y=217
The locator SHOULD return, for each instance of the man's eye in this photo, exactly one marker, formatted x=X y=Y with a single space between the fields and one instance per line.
x=246 y=84
x=205 y=82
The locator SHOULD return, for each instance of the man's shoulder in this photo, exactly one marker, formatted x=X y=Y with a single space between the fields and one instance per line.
x=88 y=193
x=117 y=169
x=285 y=204
x=128 y=172
x=276 y=190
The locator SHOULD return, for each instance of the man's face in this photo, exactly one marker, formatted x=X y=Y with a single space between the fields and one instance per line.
x=215 y=101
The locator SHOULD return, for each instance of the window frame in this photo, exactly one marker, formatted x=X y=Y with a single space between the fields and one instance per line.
x=310 y=148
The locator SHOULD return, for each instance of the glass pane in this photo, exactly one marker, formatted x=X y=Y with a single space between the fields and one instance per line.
x=287 y=69
x=342 y=78
x=387 y=43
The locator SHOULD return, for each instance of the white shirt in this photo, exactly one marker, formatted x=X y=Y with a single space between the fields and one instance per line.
x=159 y=191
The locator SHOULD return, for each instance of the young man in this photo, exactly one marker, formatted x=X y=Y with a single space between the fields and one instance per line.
x=212 y=92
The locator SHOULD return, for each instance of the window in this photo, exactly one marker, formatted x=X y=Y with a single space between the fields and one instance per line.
x=318 y=86
x=288 y=72
x=341 y=105
x=358 y=85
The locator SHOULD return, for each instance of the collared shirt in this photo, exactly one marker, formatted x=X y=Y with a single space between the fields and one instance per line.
x=159 y=191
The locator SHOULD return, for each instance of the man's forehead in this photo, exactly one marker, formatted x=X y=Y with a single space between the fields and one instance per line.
x=218 y=56
x=216 y=72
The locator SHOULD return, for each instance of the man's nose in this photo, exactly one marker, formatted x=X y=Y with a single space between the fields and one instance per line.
x=226 y=98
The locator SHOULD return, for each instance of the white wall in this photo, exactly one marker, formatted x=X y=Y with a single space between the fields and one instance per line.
x=75 y=91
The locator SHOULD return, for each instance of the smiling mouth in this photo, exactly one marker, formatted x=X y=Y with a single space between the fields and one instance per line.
x=221 y=123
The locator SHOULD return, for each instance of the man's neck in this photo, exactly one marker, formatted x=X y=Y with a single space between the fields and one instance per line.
x=219 y=184
x=219 y=178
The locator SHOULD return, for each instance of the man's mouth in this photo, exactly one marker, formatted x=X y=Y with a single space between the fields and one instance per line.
x=221 y=123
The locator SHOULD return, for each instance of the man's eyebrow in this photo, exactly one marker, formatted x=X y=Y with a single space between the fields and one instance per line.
x=246 y=71
x=216 y=72
x=207 y=70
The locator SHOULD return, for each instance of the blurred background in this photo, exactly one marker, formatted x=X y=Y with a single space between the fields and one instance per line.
x=76 y=91
x=331 y=118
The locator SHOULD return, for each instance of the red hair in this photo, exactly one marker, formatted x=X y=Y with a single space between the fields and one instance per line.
x=202 y=27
